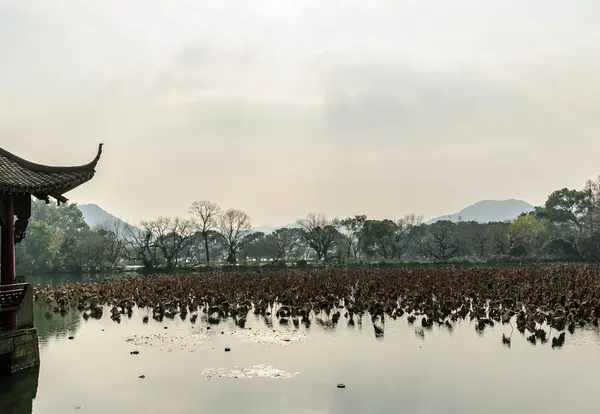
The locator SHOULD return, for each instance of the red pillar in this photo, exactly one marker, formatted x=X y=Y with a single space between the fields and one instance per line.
x=7 y=247
x=7 y=260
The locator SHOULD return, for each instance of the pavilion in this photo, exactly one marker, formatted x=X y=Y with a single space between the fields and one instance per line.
x=20 y=180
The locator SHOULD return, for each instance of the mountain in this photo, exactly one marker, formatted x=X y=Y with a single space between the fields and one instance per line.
x=489 y=210
x=96 y=216
x=270 y=229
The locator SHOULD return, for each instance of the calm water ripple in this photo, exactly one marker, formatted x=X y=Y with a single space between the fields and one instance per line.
x=280 y=369
x=441 y=372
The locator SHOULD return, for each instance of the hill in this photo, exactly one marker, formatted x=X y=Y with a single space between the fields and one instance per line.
x=489 y=210
x=270 y=229
x=96 y=216
x=482 y=211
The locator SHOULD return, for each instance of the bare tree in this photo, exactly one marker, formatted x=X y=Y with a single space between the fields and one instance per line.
x=404 y=233
x=114 y=243
x=499 y=239
x=172 y=237
x=480 y=241
x=233 y=225
x=142 y=246
x=441 y=243
x=320 y=234
x=206 y=218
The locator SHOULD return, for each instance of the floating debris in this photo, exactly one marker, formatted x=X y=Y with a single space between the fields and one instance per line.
x=255 y=371
x=536 y=299
x=227 y=349
x=169 y=342
x=134 y=352
x=341 y=385
x=270 y=337
x=142 y=377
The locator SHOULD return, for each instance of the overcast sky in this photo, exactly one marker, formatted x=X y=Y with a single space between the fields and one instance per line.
x=286 y=107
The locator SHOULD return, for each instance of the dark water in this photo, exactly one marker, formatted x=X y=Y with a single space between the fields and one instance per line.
x=446 y=372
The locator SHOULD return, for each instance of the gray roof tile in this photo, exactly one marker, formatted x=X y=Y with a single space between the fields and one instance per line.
x=21 y=176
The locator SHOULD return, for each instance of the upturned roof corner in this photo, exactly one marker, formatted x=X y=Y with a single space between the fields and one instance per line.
x=20 y=176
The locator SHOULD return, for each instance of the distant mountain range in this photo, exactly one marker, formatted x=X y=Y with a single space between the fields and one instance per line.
x=489 y=210
x=482 y=211
x=270 y=229
x=96 y=216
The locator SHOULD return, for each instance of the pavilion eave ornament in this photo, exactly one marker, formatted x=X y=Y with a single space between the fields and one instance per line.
x=22 y=209
x=20 y=229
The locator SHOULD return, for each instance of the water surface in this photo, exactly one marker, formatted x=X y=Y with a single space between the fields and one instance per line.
x=187 y=370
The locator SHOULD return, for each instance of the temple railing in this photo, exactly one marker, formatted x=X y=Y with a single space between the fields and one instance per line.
x=16 y=299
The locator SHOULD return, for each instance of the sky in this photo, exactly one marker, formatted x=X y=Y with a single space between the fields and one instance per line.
x=286 y=107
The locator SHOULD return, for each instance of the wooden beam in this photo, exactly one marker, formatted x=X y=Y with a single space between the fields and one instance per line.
x=60 y=198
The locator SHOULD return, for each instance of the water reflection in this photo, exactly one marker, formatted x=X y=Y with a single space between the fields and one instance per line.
x=62 y=278
x=18 y=392
x=185 y=368
x=51 y=325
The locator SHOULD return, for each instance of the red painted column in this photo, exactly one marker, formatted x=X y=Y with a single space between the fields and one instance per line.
x=7 y=260
x=7 y=247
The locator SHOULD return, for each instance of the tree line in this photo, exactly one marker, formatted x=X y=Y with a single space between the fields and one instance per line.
x=565 y=228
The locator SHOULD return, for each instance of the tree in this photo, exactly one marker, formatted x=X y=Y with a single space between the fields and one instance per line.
x=37 y=251
x=499 y=242
x=252 y=246
x=567 y=206
x=216 y=246
x=404 y=232
x=142 y=246
x=233 y=225
x=379 y=238
x=283 y=243
x=526 y=234
x=441 y=242
x=354 y=227
x=561 y=249
x=206 y=215
x=69 y=230
x=113 y=244
x=171 y=237
x=480 y=239
x=319 y=234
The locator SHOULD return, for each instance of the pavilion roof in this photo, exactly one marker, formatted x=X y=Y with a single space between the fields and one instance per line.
x=19 y=176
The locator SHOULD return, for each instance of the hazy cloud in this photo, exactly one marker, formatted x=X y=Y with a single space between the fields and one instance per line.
x=282 y=108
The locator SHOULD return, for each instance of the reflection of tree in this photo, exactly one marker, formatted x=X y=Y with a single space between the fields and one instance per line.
x=63 y=278
x=57 y=326
x=18 y=391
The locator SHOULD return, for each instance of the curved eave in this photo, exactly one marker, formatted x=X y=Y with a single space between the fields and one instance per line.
x=48 y=169
x=54 y=185
x=19 y=176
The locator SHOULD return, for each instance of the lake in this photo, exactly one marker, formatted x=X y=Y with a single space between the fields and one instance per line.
x=273 y=368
